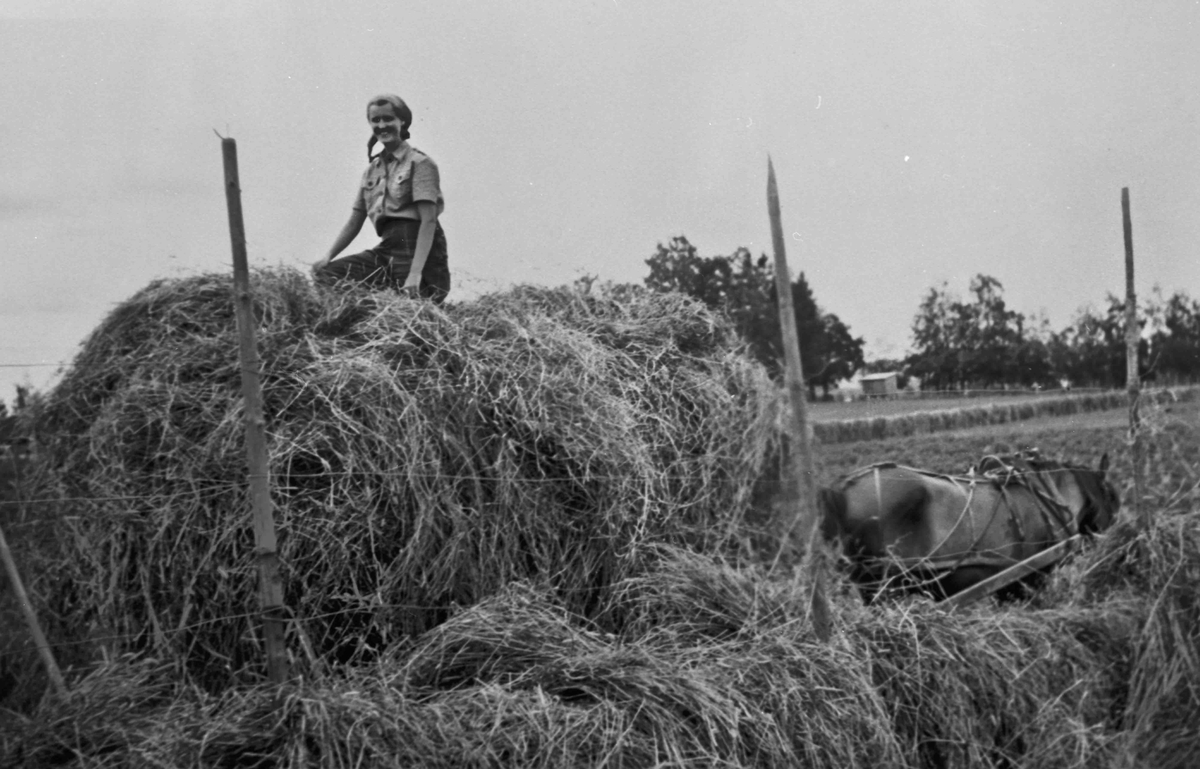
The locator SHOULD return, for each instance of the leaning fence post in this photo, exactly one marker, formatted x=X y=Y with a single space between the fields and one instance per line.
x=1132 y=378
x=803 y=467
x=35 y=628
x=270 y=584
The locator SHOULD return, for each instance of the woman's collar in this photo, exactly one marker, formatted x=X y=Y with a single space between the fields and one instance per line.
x=400 y=153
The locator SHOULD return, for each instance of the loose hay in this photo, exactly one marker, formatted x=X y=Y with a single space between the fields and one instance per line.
x=590 y=612
x=519 y=680
x=422 y=457
x=1162 y=567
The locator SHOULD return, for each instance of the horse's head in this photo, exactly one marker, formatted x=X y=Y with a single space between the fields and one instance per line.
x=1100 y=498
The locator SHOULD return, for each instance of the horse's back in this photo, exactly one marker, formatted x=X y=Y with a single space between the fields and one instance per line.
x=903 y=526
x=907 y=514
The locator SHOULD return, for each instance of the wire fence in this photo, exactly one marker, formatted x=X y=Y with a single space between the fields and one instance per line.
x=284 y=480
x=141 y=503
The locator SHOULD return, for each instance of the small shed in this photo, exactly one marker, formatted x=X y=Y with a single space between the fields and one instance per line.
x=880 y=385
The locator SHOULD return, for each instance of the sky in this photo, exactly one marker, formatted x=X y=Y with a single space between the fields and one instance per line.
x=916 y=144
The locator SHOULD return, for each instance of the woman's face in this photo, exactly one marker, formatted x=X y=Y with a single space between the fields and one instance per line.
x=385 y=124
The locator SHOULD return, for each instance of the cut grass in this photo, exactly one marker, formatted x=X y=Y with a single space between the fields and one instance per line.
x=683 y=654
x=1004 y=412
x=422 y=457
x=710 y=665
x=823 y=411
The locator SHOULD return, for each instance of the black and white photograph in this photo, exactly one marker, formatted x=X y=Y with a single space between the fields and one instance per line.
x=600 y=383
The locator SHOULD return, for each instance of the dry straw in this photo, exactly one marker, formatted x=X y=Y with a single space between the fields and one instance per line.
x=422 y=458
x=523 y=506
x=710 y=666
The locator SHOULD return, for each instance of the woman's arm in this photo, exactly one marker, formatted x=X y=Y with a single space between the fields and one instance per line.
x=428 y=211
x=349 y=232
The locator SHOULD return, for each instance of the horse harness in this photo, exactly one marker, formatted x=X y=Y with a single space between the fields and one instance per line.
x=1050 y=503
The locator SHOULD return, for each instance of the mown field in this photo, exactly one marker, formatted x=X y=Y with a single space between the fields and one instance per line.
x=552 y=559
x=1077 y=437
x=885 y=407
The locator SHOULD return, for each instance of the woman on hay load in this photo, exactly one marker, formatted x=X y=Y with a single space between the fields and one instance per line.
x=401 y=192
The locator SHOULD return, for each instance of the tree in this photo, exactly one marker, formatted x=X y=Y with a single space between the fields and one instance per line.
x=960 y=344
x=1174 y=344
x=992 y=334
x=1091 y=351
x=1081 y=351
x=743 y=288
x=982 y=343
x=1030 y=362
x=938 y=341
x=843 y=355
x=739 y=286
x=828 y=351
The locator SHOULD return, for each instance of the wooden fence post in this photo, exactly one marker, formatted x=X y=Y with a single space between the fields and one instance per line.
x=35 y=628
x=1132 y=377
x=803 y=467
x=270 y=584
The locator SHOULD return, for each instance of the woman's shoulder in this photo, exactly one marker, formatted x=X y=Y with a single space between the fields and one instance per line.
x=421 y=157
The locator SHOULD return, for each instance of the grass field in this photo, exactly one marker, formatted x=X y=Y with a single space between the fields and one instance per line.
x=1080 y=438
x=879 y=407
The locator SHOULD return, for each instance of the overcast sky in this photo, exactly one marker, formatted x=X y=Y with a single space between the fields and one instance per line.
x=914 y=142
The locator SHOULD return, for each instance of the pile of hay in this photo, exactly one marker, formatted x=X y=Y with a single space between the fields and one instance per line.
x=711 y=666
x=422 y=458
x=502 y=523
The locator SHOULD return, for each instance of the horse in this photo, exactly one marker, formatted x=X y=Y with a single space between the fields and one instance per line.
x=910 y=530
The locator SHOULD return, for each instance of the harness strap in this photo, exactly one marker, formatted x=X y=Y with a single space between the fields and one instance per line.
x=1047 y=498
x=1050 y=504
x=964 y=512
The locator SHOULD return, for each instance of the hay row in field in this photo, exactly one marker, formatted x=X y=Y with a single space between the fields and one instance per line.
x=899 y=425
x=422 y=457
x=708 y=666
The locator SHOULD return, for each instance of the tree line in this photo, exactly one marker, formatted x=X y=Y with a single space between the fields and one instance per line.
x=743 y=287
x=972 y=343
x=979 y=342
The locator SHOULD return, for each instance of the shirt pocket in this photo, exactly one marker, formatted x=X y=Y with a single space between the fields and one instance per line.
x=401 y=178
x=372 y=185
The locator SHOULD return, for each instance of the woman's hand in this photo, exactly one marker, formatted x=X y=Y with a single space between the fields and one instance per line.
x=349 y=232
x=412 y=284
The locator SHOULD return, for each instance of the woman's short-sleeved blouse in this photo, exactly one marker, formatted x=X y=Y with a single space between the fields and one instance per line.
x=393 y=185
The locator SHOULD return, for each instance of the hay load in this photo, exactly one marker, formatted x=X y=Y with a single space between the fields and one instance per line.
x=690 y=659
x=422 y=458
x=714 y=666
